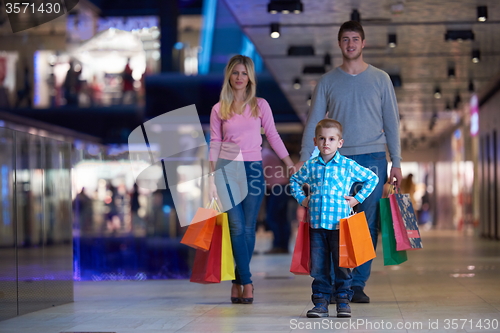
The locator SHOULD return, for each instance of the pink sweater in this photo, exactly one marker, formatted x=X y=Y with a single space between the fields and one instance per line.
x=243 y=133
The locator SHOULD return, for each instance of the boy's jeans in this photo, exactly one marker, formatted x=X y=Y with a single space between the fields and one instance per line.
x=324 y=253
x=242 y=217
x=377 y=163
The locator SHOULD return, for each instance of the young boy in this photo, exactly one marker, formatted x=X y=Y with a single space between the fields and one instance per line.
x=330 y=177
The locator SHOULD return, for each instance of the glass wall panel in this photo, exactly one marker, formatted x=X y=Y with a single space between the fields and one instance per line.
x=8 y=275
x=30 y=226
x=58 y=250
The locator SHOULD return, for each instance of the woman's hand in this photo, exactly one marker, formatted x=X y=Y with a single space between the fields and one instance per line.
x=351 y=200
x=290 y=170
x=212 y=189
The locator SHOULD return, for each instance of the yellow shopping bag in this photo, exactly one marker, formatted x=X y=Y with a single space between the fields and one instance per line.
x=227 y=260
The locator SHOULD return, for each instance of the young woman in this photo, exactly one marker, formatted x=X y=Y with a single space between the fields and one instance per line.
x=236 y=163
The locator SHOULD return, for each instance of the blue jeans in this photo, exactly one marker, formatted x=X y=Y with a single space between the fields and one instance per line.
x=324 y=253
x=377 y=163
x=242 y=217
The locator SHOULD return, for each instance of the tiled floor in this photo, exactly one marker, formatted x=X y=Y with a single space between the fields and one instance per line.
x=452 y=285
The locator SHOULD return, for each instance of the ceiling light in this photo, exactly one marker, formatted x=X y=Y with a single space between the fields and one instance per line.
x=396 y=80
x=355 y=16
x=275 y=30
x=327 y=60
x=459 y=35
x=296 y=84
x=285 y=7
x=457 y=101
x=476 y=56
x=451 y=72
x=482 y=13
x=302 y=50
x=448 y=106
x=471 y=86
x=314 y=70
x=437 y=93
x=392 y=40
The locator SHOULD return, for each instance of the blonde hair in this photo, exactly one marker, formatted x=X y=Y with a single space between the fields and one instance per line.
x=328 y=123
x=227 y=95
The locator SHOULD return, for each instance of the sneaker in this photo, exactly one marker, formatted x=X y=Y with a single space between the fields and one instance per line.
x=343 y=308
x=320 y=309
x=359 y=295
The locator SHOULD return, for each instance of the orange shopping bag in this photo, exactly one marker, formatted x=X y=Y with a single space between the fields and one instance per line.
x=199 y=232
x=355 y=241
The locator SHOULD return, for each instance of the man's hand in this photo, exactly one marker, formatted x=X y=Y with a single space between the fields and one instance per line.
x=395 y=173
x=305 y=202
x=351 y=200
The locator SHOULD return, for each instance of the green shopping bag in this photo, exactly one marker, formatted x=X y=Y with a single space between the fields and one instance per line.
x=391 y=256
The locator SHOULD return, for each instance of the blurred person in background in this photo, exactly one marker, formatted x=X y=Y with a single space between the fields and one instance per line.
x=83 y=212
x=4 y=94
x=276 y=200
x=128 y=85
x=408 y=187
x=24 y=94
x=71 y=85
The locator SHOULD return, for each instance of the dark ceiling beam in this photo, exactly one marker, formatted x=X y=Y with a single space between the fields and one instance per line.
x=391 y=55
x=371 y=23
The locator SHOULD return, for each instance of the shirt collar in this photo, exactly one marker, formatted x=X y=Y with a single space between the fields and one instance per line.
x=336 y=159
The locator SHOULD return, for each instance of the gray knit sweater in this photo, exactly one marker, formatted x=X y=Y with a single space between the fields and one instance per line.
x=365 y=104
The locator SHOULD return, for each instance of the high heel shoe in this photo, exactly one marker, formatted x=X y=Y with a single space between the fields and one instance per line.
x=236 y=300
x=247 y=300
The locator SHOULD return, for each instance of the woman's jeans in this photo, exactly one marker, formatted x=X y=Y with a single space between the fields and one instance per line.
x=377 y=163
x=325 y=264
x=245 y=186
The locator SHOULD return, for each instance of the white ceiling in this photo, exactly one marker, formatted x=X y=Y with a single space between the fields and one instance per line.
x=421 y=58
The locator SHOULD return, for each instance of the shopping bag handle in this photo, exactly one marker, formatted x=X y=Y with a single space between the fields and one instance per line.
x=392 y=189
x=214 y=205
x=395 y=189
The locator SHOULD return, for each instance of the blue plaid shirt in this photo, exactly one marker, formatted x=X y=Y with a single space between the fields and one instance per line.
x=329 y=183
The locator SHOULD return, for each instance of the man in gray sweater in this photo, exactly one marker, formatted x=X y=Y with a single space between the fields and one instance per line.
x=361 y=97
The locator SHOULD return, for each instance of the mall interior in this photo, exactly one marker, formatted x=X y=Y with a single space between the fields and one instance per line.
x=91 y=229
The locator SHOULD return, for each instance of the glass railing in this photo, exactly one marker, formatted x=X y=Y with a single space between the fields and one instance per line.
x=36 y=269
x=70 y=210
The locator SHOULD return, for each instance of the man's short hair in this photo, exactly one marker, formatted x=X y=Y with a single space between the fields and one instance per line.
x=328 y=123
x=351 y=26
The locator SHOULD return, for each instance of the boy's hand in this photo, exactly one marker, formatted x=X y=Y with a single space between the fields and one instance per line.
x=305 y=202
x=351 y=200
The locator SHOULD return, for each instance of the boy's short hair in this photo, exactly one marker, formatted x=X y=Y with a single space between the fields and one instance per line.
x=328 y=123
x=351 y=26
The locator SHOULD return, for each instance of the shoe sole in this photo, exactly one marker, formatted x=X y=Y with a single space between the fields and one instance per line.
x=317 y=315
x=343 y=315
